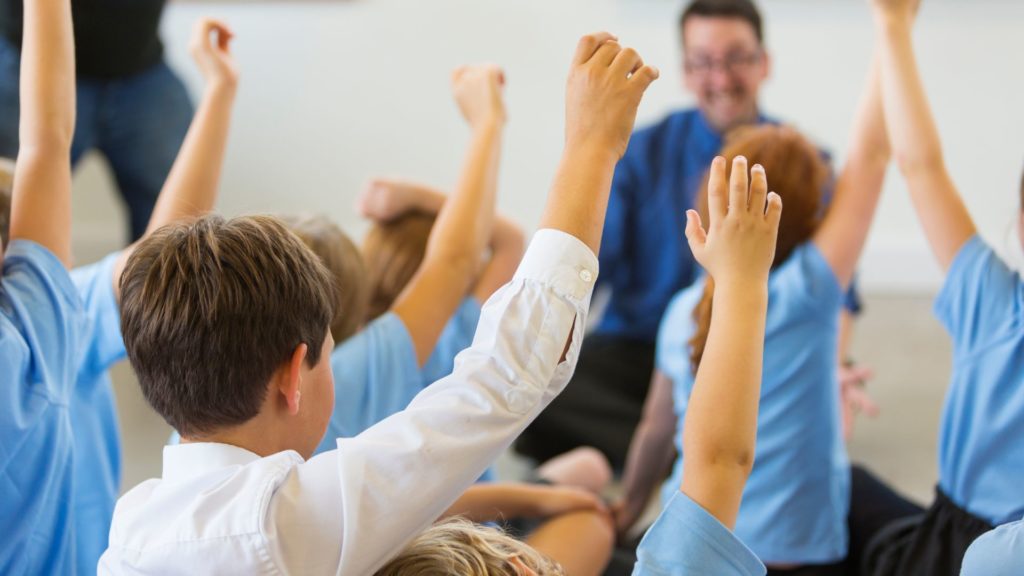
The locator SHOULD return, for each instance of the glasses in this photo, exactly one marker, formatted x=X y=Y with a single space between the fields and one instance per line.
x=732 y=64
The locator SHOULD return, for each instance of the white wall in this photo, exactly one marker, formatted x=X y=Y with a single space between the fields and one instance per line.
x=335 y=92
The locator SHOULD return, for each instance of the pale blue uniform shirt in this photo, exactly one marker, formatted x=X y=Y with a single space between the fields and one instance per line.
x=97 y=443
x=687 y=541
x=981 y=439
x=41 y=325
x=996 y=553
x=797 y=497
x=376 y=373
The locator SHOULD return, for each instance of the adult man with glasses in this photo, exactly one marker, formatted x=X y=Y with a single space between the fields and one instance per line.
x=644 y=257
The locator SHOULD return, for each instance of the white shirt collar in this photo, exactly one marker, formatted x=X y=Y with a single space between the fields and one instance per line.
x=185 y=461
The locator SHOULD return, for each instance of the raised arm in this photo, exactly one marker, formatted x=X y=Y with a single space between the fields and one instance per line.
x=191 y=187
x=842 y=234
x=606 y=83
x=721 y=418
x=384 y=200
x=915 y=138
x=41 y=202
x=464 y=223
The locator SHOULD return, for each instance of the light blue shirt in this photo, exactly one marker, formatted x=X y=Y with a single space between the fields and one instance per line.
x=97 y=443
x=456 y=337
x=687 y=541
x=41 y=325
x=375 y=375
x=797 y=497
x=996 y=553
x=981 y=440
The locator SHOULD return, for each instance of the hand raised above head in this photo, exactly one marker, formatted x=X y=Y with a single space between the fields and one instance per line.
x=606 y=83
x=478 y=92
x=384 y=199
x=739 y=245
x=210 y=48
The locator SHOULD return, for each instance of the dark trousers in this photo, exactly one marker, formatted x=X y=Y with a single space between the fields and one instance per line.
x=138 y=123
x=600 y=407
x=933 y=543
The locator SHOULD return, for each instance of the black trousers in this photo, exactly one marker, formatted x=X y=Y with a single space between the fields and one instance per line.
x=600 y=407
x=933 y=543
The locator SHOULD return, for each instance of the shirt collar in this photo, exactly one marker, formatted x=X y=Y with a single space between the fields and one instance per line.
x=184 y=461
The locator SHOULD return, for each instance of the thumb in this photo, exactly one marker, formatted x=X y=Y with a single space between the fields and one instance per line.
x=695 y=234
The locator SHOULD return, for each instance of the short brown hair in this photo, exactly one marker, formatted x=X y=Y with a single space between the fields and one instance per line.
x=345 y=263
x=740 y=9
x=460 y=547
x=796 y=172
x=210 y=309
x=393 y=252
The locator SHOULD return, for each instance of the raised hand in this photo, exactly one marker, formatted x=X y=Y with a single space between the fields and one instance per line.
x=606 y=83
x=384 y=199
x=739 y=245
x=907 y=8
x=478 y=92
x=210 y=49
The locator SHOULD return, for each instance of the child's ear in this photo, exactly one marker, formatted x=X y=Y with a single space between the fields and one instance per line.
x=289 y=383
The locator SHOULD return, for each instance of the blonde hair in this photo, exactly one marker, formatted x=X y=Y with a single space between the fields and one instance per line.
x=343 y=260
x=393 y=252
x=457 y=546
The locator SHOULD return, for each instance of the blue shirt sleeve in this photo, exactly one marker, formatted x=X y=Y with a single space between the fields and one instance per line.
x=376 y=374
x=981 y=297
x=456 y=337
x=805 y=281
x=996 y=553
x=41 y=321
x=102 y=342
x=686 y=541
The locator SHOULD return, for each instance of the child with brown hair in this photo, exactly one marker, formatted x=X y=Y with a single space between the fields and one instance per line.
x=227 y=325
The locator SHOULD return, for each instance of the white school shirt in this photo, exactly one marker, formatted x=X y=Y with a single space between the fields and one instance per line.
x=220 y=509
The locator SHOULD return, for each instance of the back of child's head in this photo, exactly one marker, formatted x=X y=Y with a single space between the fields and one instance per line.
x=393 y=252
x=212 y=308
x=797 y=172
x=345 y=263
x=457 y=546
x=6 y=190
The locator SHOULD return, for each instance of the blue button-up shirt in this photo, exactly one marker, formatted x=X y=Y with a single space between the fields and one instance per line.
x=644 y=256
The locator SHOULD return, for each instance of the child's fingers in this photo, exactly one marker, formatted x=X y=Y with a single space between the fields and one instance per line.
x=774 y=211
x=644 y=76
x=738 y=186
x=606 y=53
x=758 y=189
x=627 y=62
x=695 y=234
x=589 y=44
x=717 y=197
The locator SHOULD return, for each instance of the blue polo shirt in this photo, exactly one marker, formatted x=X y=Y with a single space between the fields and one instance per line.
x=996 y=553
x=981 y=439
x=644 y=256
x=797 y=497
x=456 y=337
x=41 y=325
x=97 y=443
x=687 y=541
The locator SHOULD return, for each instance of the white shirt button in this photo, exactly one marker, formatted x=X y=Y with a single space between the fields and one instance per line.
x=586 y=275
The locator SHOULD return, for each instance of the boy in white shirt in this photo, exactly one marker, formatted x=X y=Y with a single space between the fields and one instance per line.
x=227 y=325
